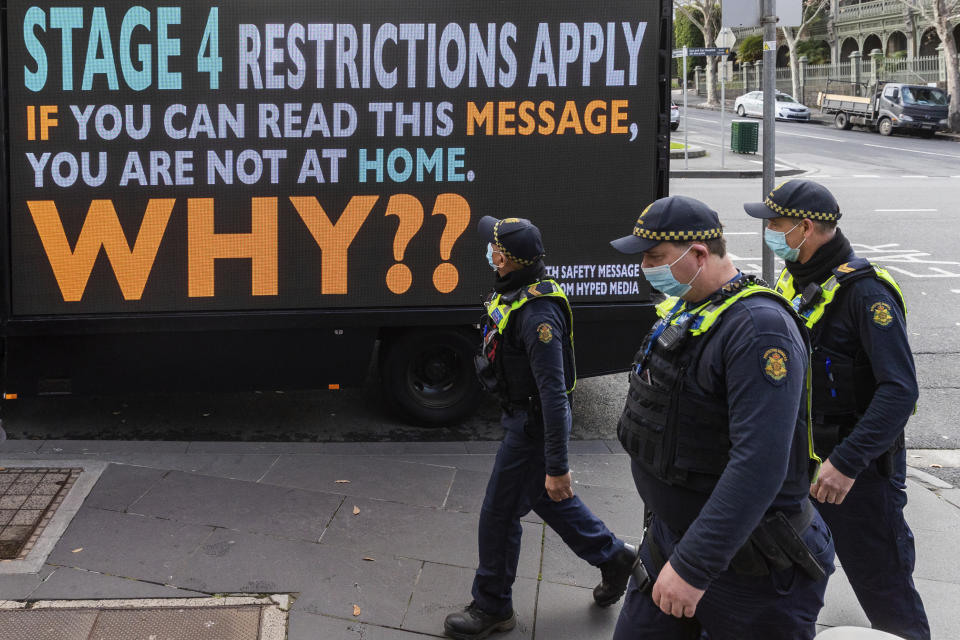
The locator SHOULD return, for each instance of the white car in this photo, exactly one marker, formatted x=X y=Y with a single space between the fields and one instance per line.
x=674 y=117
x=751 y=104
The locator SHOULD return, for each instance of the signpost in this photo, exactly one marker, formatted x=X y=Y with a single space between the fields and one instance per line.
x=726 y=39
x=684 y=52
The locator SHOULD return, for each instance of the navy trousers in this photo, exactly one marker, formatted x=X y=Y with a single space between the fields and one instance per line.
x=875 y=547
x=515 y=488
x=781 y=606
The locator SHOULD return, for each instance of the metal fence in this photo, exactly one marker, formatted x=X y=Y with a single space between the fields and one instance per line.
x=919 y=70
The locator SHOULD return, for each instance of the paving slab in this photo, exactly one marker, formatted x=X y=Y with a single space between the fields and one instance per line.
x=388 y=479
x=112 y=446
x=18 y=586
x=940 y=600
x=19 y=446
x=71 y=584
x=840 y=604
x=240 y=505
x=563 y=566
x=483 y=446
x=928 y=511
x=309 y=626
x=467 y=491
x=578 y=447
x=126 y=545
x=566 y=612
x=329 y=580
x=479 y=462
x=121 y=485
x=446 y=537
x=602 y=470
x=381 y=589
x=400 y=448
x=934 y=548
x=443 y=589
x=37 y=624
x=951 y=496
x=621 y=509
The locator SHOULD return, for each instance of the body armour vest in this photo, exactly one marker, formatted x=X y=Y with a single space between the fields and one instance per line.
x=503 y=366
x=675 y=433
x=843 y=383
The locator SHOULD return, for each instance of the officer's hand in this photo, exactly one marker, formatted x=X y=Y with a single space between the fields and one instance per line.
x=674 y=595
x=558 y=487
x=832 y=486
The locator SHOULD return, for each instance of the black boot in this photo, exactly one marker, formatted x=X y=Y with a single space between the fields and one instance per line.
x=473 y=623
x=615 y=573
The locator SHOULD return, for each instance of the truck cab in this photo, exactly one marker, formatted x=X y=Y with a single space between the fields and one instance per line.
x=910 y=108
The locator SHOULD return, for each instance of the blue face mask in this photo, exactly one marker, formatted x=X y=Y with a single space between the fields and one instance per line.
x=661 y=278
x=777 y=241
x=490 y=257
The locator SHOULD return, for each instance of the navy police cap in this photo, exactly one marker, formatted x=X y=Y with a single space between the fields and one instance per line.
x=673 y=219
x=517 y=238
x=797 y=199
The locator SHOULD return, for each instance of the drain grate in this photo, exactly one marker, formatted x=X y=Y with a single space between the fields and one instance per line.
x=29 y=496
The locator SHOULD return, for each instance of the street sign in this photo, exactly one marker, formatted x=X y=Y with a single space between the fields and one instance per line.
x=702 y=51
x=726 y=38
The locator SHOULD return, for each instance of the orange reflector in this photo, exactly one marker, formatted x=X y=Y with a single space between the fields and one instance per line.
x=333 y=387
x=9 y=396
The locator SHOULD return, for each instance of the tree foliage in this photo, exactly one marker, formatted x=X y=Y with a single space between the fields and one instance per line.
x=750 y=48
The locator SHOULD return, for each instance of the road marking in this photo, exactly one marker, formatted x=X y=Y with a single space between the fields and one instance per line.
x=741 y=233
x=954 y=290
x=904 y=210
x=807 y=135
x=865 y=175
x=929 y=153
x=914 y=176
x=704 y=120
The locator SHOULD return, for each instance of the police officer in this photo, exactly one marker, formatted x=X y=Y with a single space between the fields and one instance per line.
x=865 y=389
x=715 y=425
x=527 y=362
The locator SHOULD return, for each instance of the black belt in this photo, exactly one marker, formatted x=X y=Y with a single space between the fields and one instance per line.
x=770 y=546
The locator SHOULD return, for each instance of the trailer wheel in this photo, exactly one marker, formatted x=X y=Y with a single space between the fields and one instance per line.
x=428 y=375
x=842 y=121
x=885 y=127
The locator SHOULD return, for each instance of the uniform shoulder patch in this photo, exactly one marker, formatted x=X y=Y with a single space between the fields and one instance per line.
x=882 y=314
x=774 y=362
x=545 y=332
x=846 y=268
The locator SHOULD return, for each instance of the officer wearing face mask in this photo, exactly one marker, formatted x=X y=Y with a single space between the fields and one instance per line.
x=526 y=361
x=716 y=427
x=864 y=391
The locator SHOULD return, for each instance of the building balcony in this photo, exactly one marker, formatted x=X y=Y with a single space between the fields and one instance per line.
x=869 y=10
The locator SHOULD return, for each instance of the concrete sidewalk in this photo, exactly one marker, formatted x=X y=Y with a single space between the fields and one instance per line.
x=388 y=528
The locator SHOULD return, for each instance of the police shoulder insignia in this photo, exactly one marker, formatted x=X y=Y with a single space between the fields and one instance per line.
x=845 y=268
x=533 y=290
x=882 y=314
x=545 y=332
x=774 y=364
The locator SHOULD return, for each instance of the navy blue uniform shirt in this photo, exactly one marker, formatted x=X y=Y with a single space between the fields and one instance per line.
x=768 y=466
x=545 y=350
x=851 y=325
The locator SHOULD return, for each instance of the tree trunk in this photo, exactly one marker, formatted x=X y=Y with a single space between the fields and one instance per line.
x=792 y=40
x=950 y=56
x=710 y=40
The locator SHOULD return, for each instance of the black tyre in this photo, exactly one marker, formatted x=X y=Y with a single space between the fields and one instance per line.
x=741 y=111
x=842 y=121
x=885 y=127
x=674 y=126
x=428 y=375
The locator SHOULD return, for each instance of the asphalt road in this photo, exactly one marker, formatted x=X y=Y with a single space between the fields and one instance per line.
x=899 y=197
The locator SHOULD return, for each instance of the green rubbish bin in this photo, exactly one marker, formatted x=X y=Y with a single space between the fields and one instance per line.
x=744 y=136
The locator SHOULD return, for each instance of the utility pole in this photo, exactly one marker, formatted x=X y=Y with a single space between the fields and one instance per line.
x=769 y=22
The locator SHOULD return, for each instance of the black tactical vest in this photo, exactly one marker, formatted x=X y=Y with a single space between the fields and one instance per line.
x=675 y=433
